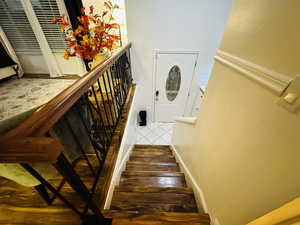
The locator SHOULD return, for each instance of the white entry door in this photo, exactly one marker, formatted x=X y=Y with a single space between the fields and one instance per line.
x=174 y=73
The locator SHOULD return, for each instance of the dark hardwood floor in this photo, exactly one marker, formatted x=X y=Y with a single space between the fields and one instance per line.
x=20 y=205
x=152 y=190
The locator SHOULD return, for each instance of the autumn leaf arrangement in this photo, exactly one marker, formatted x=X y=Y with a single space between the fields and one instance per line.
x=96 y=33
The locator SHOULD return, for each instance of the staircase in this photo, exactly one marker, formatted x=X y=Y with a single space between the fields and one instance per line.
x=153 y=191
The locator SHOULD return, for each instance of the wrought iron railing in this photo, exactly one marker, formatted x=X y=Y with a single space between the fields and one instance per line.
x=76 y=127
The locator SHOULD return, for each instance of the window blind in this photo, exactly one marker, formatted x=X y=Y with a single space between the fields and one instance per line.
x=19 y=31
x=45 y=10
x=16 y=26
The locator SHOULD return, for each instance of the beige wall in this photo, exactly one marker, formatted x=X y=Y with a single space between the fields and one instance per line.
x=266 y=32
x=244 y=150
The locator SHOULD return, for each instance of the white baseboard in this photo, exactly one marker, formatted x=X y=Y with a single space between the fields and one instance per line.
x=199 y=196
x=116 y=177
x=124 y=152
x=122 y=165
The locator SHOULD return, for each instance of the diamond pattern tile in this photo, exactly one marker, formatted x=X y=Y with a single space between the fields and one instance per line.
x=155 y=134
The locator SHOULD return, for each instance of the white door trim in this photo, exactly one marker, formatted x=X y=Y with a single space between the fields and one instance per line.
x=156 y=52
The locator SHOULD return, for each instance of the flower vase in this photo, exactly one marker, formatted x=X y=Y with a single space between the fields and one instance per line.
x=99 y=58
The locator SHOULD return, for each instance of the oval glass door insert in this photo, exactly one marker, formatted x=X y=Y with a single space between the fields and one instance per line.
x=173 y=83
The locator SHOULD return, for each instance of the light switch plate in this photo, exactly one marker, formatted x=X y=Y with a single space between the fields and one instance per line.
x=290 y=99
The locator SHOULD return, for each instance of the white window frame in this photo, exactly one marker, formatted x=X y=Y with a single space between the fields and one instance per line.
x=56 y=65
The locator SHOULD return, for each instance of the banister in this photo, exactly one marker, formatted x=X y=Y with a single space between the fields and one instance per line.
x=30 y=150
x=44 y=118
x=100 y=115
x=187 y=120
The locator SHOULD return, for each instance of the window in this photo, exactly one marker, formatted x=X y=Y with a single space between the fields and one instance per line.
x=173 y=83
x=16 y=26
x=45 y=10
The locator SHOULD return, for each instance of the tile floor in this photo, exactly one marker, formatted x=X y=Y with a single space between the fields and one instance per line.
x=155 y=134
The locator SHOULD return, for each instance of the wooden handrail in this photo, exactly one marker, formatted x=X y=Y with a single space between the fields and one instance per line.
x=44 y=118
x=30 y=150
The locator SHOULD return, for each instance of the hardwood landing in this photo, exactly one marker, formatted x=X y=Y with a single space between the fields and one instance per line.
x=152 y=190
x=20 y=205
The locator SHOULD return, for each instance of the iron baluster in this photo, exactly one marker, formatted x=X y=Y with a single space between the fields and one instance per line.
x=79 y=144
x=96 y=148
x=107 y=96
x=105 y=111
x=35 y=174
x=65 y=168
x=116 y=94
x=100 y=115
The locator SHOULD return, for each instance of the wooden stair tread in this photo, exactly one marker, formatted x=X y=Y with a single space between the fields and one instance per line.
x=152 y=147
x=153 y=207
x=153 y=159
x=146 y=167
x=162 y=216
x=128 y=217
x=151 y=187
x=130 y=162
x=151 y=174
x=149 y=222
x=143 y=189
x=152 y=151
x=146 y=197
x=149 y=153
x=154 y=181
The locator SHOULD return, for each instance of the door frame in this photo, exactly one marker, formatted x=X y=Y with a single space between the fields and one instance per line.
x=156 y=52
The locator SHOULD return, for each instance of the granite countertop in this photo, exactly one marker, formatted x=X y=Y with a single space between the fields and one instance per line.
x=20 y=97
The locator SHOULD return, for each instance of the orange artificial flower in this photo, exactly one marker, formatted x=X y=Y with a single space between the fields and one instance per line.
x=93 y=35
x=66 y=54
